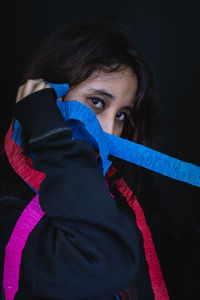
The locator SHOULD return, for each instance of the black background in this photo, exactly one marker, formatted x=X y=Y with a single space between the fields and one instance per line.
x=168 y=32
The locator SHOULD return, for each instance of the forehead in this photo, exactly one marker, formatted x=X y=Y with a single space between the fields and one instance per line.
x=122 y=85
x=122 y=77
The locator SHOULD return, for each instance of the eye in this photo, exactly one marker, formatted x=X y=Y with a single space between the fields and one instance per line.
x=97 y=102
x=122 y=116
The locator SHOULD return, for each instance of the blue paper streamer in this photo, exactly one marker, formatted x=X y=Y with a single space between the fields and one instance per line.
x=91 y=131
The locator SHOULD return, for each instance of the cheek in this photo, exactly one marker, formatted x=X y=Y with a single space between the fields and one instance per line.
x=100 y=120
x=118 y=131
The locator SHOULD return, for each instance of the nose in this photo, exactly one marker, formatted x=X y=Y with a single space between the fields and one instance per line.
x=107 y=124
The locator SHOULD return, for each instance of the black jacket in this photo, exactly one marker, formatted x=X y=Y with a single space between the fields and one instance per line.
x=85 y=246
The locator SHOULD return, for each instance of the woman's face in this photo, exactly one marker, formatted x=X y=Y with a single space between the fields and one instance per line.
x=110 y=96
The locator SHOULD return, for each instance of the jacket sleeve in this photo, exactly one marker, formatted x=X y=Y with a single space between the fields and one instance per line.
x=85 y=246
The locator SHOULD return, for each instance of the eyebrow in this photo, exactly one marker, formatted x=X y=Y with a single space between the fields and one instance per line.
x=105 y=93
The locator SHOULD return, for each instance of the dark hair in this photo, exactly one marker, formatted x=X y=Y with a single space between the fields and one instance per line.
x=75 y=50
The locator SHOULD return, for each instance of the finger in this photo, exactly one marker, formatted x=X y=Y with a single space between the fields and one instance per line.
x=40 y=86
x=48 y=86
x=19 y=93
x=29 y=86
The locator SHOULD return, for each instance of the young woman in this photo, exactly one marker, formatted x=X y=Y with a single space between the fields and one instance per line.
x=89 y=244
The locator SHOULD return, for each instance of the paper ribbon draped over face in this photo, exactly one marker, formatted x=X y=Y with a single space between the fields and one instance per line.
x=90 y=130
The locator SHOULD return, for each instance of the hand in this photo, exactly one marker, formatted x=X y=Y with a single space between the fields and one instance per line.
x=31 y=86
